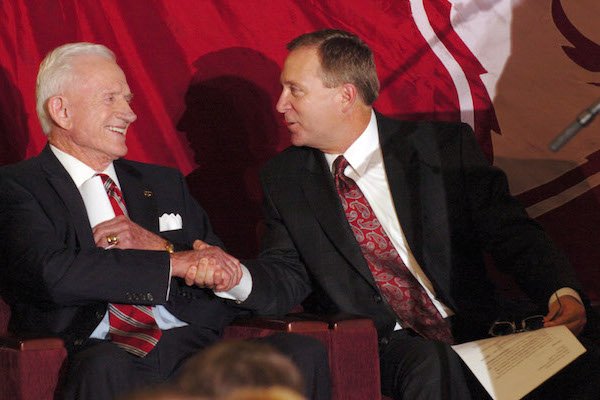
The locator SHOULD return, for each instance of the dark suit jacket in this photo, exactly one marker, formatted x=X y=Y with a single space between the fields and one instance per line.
x=452 y=207
x=55 y=278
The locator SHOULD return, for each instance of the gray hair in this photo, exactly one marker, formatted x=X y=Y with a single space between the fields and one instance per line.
x=54 y=73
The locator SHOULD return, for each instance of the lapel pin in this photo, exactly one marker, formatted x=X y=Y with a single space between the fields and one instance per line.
x=147 y=193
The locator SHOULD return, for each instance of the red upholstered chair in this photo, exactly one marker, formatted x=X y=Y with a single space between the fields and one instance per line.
x=351 y=342
x=30 y=368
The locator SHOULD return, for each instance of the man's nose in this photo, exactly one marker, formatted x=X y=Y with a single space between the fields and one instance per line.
x=282 y=103
x=127 y=113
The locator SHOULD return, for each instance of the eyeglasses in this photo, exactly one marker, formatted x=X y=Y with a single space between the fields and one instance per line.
x=501 y=328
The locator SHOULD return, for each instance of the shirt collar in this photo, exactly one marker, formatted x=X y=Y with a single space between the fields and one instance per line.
x=78 y=171
x=362 y=152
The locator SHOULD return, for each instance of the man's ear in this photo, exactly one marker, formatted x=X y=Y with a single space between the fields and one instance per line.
x=349 y=96
x=59 y=111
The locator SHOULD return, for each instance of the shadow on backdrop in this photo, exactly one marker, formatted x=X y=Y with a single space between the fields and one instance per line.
x=14 y=132
x=231 y=125
x=558 y=192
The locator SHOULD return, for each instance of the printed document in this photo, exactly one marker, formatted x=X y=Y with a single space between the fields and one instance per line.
x=511 y=366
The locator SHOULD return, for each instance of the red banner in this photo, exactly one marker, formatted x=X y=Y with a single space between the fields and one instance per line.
x=205 y=78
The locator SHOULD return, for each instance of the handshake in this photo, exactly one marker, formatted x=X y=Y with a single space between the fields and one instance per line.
x=207 y=266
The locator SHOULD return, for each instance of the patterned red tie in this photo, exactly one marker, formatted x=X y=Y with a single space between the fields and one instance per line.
x=132 y=327
x=399 y=287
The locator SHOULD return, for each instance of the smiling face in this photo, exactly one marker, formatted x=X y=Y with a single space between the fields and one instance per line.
x=312 y=111
x=93 y=113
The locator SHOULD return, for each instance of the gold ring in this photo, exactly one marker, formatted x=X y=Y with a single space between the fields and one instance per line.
x=112 y=240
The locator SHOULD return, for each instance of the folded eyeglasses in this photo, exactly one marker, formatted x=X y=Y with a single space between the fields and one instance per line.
x=501 y=328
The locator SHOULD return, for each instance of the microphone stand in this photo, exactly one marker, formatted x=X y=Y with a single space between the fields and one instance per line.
x=582 y=120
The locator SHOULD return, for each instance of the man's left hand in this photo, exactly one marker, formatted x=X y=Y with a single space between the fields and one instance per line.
x=568 y=311
x=129 y=235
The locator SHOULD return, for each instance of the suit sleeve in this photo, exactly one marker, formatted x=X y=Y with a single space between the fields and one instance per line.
x=43 y=258
x=279 y=278
x=518 y=244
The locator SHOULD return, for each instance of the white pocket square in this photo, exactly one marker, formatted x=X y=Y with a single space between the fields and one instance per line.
x=170 y=222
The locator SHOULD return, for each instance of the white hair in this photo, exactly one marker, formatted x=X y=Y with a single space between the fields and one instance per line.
x=54 y=74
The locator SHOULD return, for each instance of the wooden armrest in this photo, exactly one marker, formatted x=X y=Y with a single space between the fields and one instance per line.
x=338 y=321
x=23 y=343
x=288 y=323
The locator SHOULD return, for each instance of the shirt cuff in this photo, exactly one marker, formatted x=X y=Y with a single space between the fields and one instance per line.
x=566 y=291
x=170 y=276
x=242 y=290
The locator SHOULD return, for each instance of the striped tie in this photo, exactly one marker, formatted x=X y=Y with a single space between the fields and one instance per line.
x=132 y=327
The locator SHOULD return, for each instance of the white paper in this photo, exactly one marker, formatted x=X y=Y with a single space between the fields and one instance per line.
x=96 y=201
x=511 y=366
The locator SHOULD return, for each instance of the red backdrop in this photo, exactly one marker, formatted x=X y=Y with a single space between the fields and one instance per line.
x=205 y=78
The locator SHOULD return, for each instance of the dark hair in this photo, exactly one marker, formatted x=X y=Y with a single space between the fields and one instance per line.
x=344 y=58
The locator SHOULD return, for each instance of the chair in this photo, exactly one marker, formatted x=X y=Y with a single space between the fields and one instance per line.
x=351 y=343
x=30 y=368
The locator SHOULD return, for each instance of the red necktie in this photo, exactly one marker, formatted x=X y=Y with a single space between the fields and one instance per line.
x=399 y=287
x=132 y=327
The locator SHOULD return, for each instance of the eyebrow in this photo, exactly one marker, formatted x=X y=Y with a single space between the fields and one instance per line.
x=128 y=97
x=290 y=82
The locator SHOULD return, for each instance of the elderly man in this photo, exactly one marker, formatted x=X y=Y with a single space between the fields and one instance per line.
x=390 y=220
x=96 y=248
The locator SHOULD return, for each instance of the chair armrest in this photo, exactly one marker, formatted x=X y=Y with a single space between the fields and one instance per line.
x=353 y=357
x=244 y=328
x=334 y=320
x=30 y=367
x=24 y=343
x=295 y=322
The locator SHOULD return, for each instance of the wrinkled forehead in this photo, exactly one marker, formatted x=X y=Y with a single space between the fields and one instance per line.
x=93 y=73
x=94 y=67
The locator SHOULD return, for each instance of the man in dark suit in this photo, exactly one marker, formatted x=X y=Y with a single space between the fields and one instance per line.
x=98 y=250
x=396 y=229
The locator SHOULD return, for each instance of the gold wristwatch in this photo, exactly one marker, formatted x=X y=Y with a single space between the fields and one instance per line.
x=169 y=248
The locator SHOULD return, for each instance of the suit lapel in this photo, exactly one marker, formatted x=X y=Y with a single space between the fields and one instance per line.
x=412 y=165
x=403 y=151
x=320 y=192
x=65 y=188
x=139 y=197
x=402 y=169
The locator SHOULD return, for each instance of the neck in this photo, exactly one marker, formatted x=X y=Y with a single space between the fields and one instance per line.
x=59 y=141
x=355 y=125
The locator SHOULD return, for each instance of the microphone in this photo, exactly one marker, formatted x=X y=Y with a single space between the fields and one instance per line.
x=582 y=120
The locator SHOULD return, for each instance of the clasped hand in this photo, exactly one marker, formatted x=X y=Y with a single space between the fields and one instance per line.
x=205 y=266
x=214 y=268
x=128 y=235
